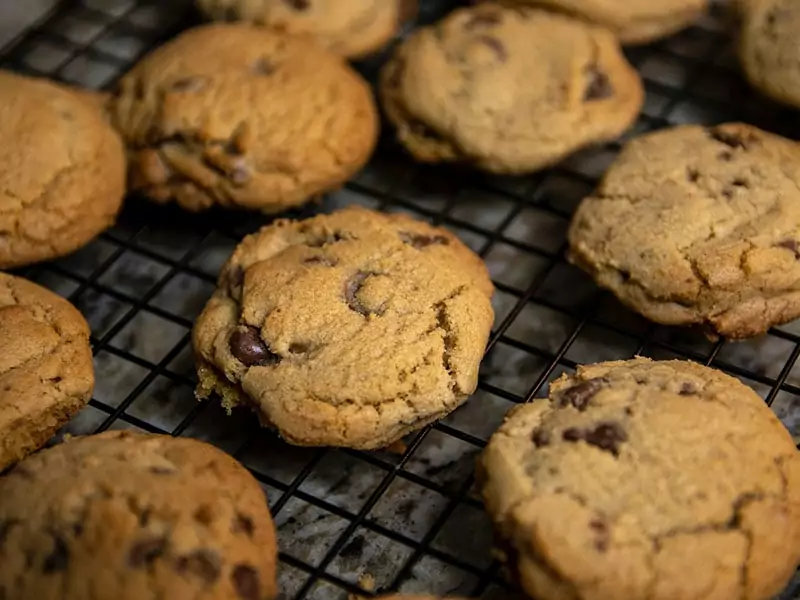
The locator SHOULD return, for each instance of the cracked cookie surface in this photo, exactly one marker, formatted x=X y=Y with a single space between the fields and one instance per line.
x=350 y=329
x=664 y=480
x=244 y=118
x=62 y=171
x=123 y=515
x=632 y=21
x=698 y=226
x=353 y=29
x=508 y=90
x=46 y=371
x=768 y=49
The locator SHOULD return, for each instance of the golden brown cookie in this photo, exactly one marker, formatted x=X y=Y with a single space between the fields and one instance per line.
x=242 y=117
x=508 y=90
x=46 y=371
x=639 y=479
x=350 y=329
x=129 y=516
x=62 y=171
x=351 y=28
x=698 y=226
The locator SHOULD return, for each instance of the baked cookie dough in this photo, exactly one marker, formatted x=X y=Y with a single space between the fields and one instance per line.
x=129 y=516
x=46 y=371
x=62 y=171
x=768 y=48
x=508 y=90
x=640 y=479
x=240 y=117
x=351 y=28
x=350 y=329
x=632 y=21
x=695 y=225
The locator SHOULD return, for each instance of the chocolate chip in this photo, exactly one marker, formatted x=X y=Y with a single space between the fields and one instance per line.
x=144 y=552
x=692 y=175
x=496 y=45
x=264 y=66
x=299 y=348
x=204 y=515
x=725 y=156
x=792 y=245
x=243 y=524
x=156 y=470
x=245 y=582
x=298 y=4
x=579 y=395
x=739 y=182
x=688 y=389
x=423 y=241
x=599 y=86
x=600 y=529
x=249 y=349
x=727 y=193
x=202 y=563
x=606 y=436
x=540 y=438
x=482 y=19
x=188 y=84
x=351 y=289
x=58 y=559
x=732 y=140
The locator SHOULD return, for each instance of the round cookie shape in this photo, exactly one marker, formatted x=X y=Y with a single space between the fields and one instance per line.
x=664 y=480
x=632 y=21
x=46 y=370
x=62 y=171
x=353 y=29
x=768 y=47
x=350 y=329
x=698 y=226
x=508 y=90
x=129 y=516
x=241 y=117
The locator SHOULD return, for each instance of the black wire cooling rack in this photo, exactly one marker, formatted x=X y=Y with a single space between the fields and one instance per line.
x=352 y=522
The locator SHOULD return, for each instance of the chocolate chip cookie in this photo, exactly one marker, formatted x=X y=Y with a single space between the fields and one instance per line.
x=124 y=515
x=350 y=329
x=633 y=21
x=353 y=29
x=696 y=225
x=242 y=117
x=46 y=371
x=768 y=47
x=641 y=479
x=508 y=90
x=62 y=171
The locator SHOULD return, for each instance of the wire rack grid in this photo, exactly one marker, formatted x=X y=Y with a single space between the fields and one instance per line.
x=352 y=522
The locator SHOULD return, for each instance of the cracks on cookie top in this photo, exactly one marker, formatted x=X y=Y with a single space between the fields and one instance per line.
x=484 y=18
x=352 y=288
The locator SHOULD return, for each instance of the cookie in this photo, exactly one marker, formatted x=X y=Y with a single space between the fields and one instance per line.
x=768 y=48
x=508 y=90
x=46 y=371
x=353 y=29
x=62 y=171
x=698 y=226
x=124 y=515
x=632 y=21
x=663 y=480
x=350 y=329
x=240 y=117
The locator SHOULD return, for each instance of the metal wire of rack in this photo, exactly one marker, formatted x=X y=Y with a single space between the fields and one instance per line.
x=353 y=522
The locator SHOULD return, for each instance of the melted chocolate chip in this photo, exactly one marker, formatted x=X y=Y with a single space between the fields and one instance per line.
x=423 y=241
x=688 y=389
x=249 y=349
x=540 y=438
x=202 y=563
x=204 y=515
x=792 y=245
x=188 y=84
x=579 y=395
x=245 y=582
x=599 y=86
x=58 y=559
x=606 y=436
x=243 y=524
x=145 y=552
x=600 y=528
x=482 y=19
x=298 y=4
x=732 y=140
x=739 y=182
x=496 y=45
x=692 y=175
x=351 y=289
x=156 y=470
